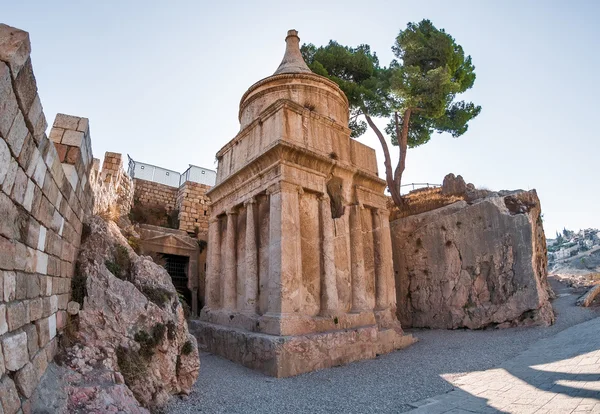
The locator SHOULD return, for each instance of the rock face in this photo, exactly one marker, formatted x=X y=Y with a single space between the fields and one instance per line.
x=132 y=317
x=473 y=265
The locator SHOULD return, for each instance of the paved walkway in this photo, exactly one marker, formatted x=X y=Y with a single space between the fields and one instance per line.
x=560 y=374
x=478 y=371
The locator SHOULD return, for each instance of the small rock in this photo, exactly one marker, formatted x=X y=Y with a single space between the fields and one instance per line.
x=73 y=308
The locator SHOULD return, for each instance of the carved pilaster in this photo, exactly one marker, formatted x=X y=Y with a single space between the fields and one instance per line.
x=230 y=265
x=329 y=293
x=359 y=300
x=251 y=282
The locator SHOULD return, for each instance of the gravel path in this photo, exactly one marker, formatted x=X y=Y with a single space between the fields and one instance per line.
x=382 y=385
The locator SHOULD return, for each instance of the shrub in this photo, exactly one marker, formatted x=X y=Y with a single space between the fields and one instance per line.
x=120 y=266
x=131 y=364
x=149 y=342
x=171 y=330
x=157 y=295
x=187 y=348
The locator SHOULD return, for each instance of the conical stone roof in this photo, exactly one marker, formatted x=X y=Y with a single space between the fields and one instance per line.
x=292 y=59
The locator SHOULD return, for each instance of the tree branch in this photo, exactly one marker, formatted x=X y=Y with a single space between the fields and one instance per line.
x=394 y=190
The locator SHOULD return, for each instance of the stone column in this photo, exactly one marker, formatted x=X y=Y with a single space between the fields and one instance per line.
x=387 y=256
x=380 y=265
x=359 y=299
x=214 y=263
x=329 y=293
x=230 y=265
x=251 y=282
x=284 y=249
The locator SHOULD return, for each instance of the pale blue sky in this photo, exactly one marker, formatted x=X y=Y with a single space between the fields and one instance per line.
x=162 y=81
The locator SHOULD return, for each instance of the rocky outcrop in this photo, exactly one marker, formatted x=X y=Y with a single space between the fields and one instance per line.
x=473 y=264
x=131 y=319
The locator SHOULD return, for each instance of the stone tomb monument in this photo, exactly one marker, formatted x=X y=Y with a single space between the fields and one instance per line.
x=300 y=272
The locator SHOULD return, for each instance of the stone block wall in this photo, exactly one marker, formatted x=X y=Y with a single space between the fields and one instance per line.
x=44 y=196
x=113 y=188
x=193 y=203
x=149 y=193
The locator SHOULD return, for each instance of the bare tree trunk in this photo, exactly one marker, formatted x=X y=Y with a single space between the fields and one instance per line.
x=402 y=136
x=389 y=178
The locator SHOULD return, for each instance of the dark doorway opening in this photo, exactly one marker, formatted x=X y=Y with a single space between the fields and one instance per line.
x=177 y=268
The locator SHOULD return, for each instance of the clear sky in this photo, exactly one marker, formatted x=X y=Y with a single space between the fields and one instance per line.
x=162 y=81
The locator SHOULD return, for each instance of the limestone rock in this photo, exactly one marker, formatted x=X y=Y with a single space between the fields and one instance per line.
x=454 y=185
x=135 y=320
x=473 y=265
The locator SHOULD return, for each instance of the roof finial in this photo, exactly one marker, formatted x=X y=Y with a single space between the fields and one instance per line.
x=292 y=59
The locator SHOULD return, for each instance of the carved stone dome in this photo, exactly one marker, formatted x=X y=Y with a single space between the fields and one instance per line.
x=294 y=81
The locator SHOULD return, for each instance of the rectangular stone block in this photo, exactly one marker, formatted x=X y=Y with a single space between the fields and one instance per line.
x=17 y=315
x=15 y=47
x=35 y=309
x=3 y=322
x=40 y=363
x=41 y=245
x=52 y=326
x=11 y=174
x=9 y=285
x=21 y=290
x=32 y=338
x=17 y=134
x=43 y=331
x=8 y=101
x=33 y=286
x=14 y=346
x=26 y=380
x=41 y=263
x=10 y=217
x=72 y=138
x=66 y=121
x=26 y=87
x=7 y=258
x=56 y=135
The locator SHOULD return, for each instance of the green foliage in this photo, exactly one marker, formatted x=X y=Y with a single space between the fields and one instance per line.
x=149 y=342
x=131 y=364
x=430 y=70
x=120 y=266
x=187 y=348
x=157 y=295
x=171 y=330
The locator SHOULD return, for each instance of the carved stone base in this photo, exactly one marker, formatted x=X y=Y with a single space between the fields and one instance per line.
x=286 y=356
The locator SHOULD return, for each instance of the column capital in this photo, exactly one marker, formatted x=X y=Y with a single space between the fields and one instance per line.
x=323 y=197
x=232 y=211
x=251 y=200
x=383 y=212
x=273 y=189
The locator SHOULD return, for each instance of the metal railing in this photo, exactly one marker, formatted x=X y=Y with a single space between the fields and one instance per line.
x=416 y=186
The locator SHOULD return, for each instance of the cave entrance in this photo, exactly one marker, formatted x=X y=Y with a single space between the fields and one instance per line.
x=177 y=267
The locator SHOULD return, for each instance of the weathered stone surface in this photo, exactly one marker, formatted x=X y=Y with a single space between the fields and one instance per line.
x=299 y=249
x=73 y=308
x=9 y=397
x=17 y=314
x=14 y=346
x=472 y=266
x=26 y=380
x=81 y=388
x=116 y=312
x=454 y=185
x=3 y=322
